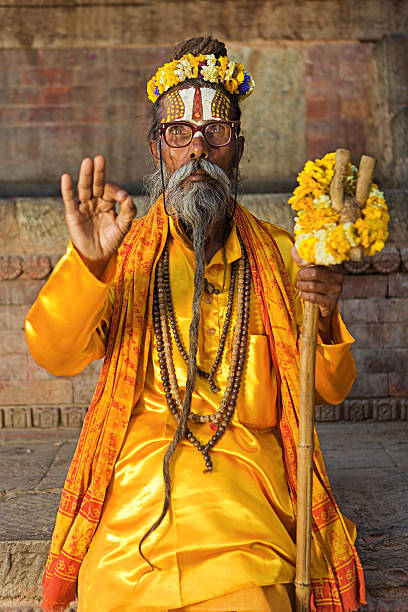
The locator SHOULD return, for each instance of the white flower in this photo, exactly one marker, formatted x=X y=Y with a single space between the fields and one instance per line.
x=322 y=201
x=350 y=235
x=374 y=192
x=210 y=71
x=229 y=71
x=301 y=237
x=186 y=68
x=323 y=258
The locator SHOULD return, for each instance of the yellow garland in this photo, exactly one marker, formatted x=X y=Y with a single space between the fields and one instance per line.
x=320 y=237
x=231 y=75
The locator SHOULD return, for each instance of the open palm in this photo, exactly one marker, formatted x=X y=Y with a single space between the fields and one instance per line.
x=95 y=228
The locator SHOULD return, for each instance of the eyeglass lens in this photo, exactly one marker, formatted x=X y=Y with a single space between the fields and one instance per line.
x=216 y=134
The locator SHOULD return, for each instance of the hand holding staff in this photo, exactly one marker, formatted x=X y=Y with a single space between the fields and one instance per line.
x=349 y=210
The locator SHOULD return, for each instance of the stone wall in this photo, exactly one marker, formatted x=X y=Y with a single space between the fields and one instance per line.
x=374 y=306
x=329 y=73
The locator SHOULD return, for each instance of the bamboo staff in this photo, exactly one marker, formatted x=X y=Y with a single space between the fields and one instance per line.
x=349 y=210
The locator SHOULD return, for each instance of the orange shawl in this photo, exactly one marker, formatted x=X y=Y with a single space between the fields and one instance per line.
x=337 y=576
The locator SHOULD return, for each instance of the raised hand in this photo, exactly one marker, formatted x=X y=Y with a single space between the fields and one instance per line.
x=321 y=285
x=95 y=229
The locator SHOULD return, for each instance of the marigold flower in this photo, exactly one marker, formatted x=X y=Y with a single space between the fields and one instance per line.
x=320 y=237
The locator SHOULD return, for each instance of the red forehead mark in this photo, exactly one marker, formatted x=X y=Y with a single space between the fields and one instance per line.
x=197 y=105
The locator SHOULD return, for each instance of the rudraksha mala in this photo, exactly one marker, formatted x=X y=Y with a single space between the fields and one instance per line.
x=161 y=319
x=173 y=325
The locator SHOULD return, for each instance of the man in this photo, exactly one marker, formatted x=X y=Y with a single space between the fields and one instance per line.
x=197 y=309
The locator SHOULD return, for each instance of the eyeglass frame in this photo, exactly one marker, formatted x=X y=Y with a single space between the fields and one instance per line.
x=234 y=126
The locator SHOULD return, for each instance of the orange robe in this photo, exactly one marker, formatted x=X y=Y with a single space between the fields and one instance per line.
x=231 y=529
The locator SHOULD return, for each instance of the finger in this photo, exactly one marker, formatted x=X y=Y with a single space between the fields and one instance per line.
x=98 y=176
x=322 y=274
x=126 y=214
x=297 y=258
x=113 y=193
x=85 y=180
x=321 y=288
x=68 y=195
x=326 y=304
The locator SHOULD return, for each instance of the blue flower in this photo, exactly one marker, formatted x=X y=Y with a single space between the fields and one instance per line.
x=156 y=91
x=245 y=86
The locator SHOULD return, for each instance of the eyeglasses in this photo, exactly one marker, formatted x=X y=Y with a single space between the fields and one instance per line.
x=178 y=134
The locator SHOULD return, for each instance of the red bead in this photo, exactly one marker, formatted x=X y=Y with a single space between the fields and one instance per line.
x=213 y=426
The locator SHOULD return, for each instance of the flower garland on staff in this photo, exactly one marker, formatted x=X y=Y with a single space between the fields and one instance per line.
x=321 y=238
x=229 y=74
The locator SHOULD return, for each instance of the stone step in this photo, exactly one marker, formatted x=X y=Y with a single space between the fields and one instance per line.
x=366 y=463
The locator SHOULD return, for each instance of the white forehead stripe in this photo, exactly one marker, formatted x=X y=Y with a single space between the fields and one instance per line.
x=187 y=95
x=207 y=97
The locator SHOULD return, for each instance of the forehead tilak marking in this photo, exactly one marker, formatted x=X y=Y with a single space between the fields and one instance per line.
x=174 y=106
x=206 y=95
x=197 y=110
x=220 y=105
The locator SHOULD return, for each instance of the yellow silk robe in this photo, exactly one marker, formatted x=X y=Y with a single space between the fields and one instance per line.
x=230 y=529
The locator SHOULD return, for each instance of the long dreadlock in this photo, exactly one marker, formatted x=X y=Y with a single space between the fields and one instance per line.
x=196 y=46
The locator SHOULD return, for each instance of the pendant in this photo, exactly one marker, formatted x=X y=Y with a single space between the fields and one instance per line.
x=209 y=287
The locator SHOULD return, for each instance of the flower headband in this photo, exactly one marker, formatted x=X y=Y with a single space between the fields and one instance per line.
x=231 y=75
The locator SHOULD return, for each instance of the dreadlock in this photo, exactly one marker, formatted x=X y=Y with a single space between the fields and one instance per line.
x=199 y=45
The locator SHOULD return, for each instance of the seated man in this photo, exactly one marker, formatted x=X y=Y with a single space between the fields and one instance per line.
x=182 y=491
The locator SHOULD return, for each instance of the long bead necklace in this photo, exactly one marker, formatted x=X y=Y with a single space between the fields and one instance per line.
x=219 y=420
x=173 y=325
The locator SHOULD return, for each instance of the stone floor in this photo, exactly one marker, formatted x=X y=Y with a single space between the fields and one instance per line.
x=367 y=464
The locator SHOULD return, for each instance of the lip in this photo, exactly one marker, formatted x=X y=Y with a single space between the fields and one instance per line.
x=199 y=175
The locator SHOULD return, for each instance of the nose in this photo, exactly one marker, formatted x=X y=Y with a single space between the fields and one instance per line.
x=199 y=147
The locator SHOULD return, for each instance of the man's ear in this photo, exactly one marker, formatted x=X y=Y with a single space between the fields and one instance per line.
x=154 y=150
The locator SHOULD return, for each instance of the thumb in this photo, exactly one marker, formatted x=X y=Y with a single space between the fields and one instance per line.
x=301 y=263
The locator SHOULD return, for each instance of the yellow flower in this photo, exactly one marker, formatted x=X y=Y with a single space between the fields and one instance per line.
x=319 y=234
x=231 y=85
x=306 y=248
x=239 y=73
x=150 y=90
x=316 y=219
x=223 y=62
x=337 y=244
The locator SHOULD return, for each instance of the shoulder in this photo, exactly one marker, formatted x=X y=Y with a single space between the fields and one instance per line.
x=273 y=234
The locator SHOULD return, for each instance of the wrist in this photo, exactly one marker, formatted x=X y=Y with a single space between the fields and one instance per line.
x=325 y=328
x=96 y=267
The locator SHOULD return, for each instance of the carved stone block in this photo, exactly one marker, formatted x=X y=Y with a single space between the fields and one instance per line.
x=17 y=417
x=386 y=409
x=37 y=266
x=388 y=260
x=45 y=417
x=11 y=266
x=357 y=410
x=326 y=412
x=72 y=416
x=357 y=267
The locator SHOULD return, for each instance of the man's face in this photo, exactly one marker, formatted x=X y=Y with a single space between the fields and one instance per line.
x=197 y=106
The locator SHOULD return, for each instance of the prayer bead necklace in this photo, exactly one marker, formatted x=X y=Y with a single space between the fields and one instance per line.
x=173 y=325
x=220 y=420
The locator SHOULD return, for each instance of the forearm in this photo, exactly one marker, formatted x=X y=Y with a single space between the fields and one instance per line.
x=65 y=326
